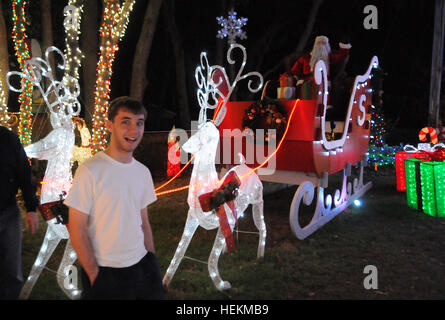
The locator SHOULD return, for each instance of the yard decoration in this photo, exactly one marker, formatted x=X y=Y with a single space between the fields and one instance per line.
x=84 y=151
x=413 y=152
x=265 y=114
x=204 y=179
x=382 y=155
x=56 y=148
x=425 y=182
x=286 y=91
x=431 y=131
x=215 y=88
x=215 y=200
x=379 y=154
x=305 y=156
x=400 y=157
x=174 y=154
x=231 y=27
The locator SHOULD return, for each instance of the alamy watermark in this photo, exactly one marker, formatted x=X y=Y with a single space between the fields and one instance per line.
x=233 y=142
x=371 y=20
x=70 y=281
x=371 y=280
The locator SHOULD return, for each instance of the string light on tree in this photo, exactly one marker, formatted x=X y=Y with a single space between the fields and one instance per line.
x=114 y=24
x=378 y=130
x=231 y=27
x=382 y=155
x=4 y=118
x=73 y=13
x=379 y=153
x=22 y=54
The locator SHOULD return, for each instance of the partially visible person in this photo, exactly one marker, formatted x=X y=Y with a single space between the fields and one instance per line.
x=15 y=173
x=108 y=219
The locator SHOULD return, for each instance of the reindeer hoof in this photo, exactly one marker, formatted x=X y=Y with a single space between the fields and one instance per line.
x=224 y=285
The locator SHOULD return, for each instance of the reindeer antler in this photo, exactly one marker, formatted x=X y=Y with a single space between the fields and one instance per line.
x=64 y=101
x=209 y=88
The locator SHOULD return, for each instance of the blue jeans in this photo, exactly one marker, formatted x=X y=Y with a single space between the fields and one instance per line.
x=11 y=279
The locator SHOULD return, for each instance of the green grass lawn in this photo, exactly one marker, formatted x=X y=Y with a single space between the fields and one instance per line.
x=406 y=246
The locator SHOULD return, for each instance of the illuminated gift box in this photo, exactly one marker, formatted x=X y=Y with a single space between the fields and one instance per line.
x=287 y=93
x=425 y=186
x=400 y=158
x=286 y=89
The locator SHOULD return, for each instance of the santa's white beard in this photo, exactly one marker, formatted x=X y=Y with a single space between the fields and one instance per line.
x=319 y=53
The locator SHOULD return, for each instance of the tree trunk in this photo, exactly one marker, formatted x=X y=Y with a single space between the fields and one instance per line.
x=47 y=30
x=139 y=73
x=73 y=55
x=4 y=64
x=437 y=63
x=89 y=49
x=181 y=87
x=115 y=20
x=165 y=90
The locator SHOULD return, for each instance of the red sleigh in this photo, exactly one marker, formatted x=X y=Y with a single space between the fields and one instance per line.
x=306 y=157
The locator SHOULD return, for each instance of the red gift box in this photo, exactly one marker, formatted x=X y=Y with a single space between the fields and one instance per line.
x=400 y=166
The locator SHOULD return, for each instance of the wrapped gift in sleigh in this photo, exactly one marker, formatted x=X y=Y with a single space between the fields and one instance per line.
x=305 y=156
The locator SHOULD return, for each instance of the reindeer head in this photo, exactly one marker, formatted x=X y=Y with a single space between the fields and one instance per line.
x=205 y=139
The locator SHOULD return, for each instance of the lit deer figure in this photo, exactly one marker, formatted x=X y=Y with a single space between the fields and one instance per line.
x=204 y=179
x=56 y=148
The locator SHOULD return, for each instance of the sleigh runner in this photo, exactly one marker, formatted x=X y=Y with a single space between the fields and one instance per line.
x=306 y=157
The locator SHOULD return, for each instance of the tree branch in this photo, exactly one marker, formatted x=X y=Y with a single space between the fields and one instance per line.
x=301 y=44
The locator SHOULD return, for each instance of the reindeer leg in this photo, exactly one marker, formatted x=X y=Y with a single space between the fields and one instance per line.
x=69 y=257
x=189 y=230
x=218 y=247
x=258 y=219
x=50 y=242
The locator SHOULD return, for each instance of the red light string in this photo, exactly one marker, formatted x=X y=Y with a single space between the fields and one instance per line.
x=245 y=175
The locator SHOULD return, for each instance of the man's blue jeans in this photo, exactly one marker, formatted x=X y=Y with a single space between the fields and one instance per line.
x=11 y=279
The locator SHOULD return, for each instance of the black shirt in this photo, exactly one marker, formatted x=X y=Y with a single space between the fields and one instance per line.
x=15 y=172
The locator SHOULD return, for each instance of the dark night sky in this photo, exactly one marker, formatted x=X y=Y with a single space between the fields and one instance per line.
x=403 y=43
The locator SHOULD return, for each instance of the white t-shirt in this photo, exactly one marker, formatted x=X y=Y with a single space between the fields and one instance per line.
x=113 y=193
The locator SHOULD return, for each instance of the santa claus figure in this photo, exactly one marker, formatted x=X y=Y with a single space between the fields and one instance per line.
x=303 y=68
x=174 y=154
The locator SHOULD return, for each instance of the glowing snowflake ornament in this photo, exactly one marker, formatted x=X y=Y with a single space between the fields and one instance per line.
x=231 y=27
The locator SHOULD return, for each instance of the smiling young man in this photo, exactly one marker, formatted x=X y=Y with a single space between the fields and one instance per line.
x=108 y=220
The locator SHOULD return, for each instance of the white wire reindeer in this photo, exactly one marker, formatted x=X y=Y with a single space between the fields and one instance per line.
x=56 y=148
x=203 y=145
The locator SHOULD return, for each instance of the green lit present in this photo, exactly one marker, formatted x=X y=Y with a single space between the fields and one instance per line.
x=413 y=185
x=425 y=186
x=432 y=177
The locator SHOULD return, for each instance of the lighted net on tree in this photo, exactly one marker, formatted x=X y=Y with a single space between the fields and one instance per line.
x=113 y=28
x=22 y=52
